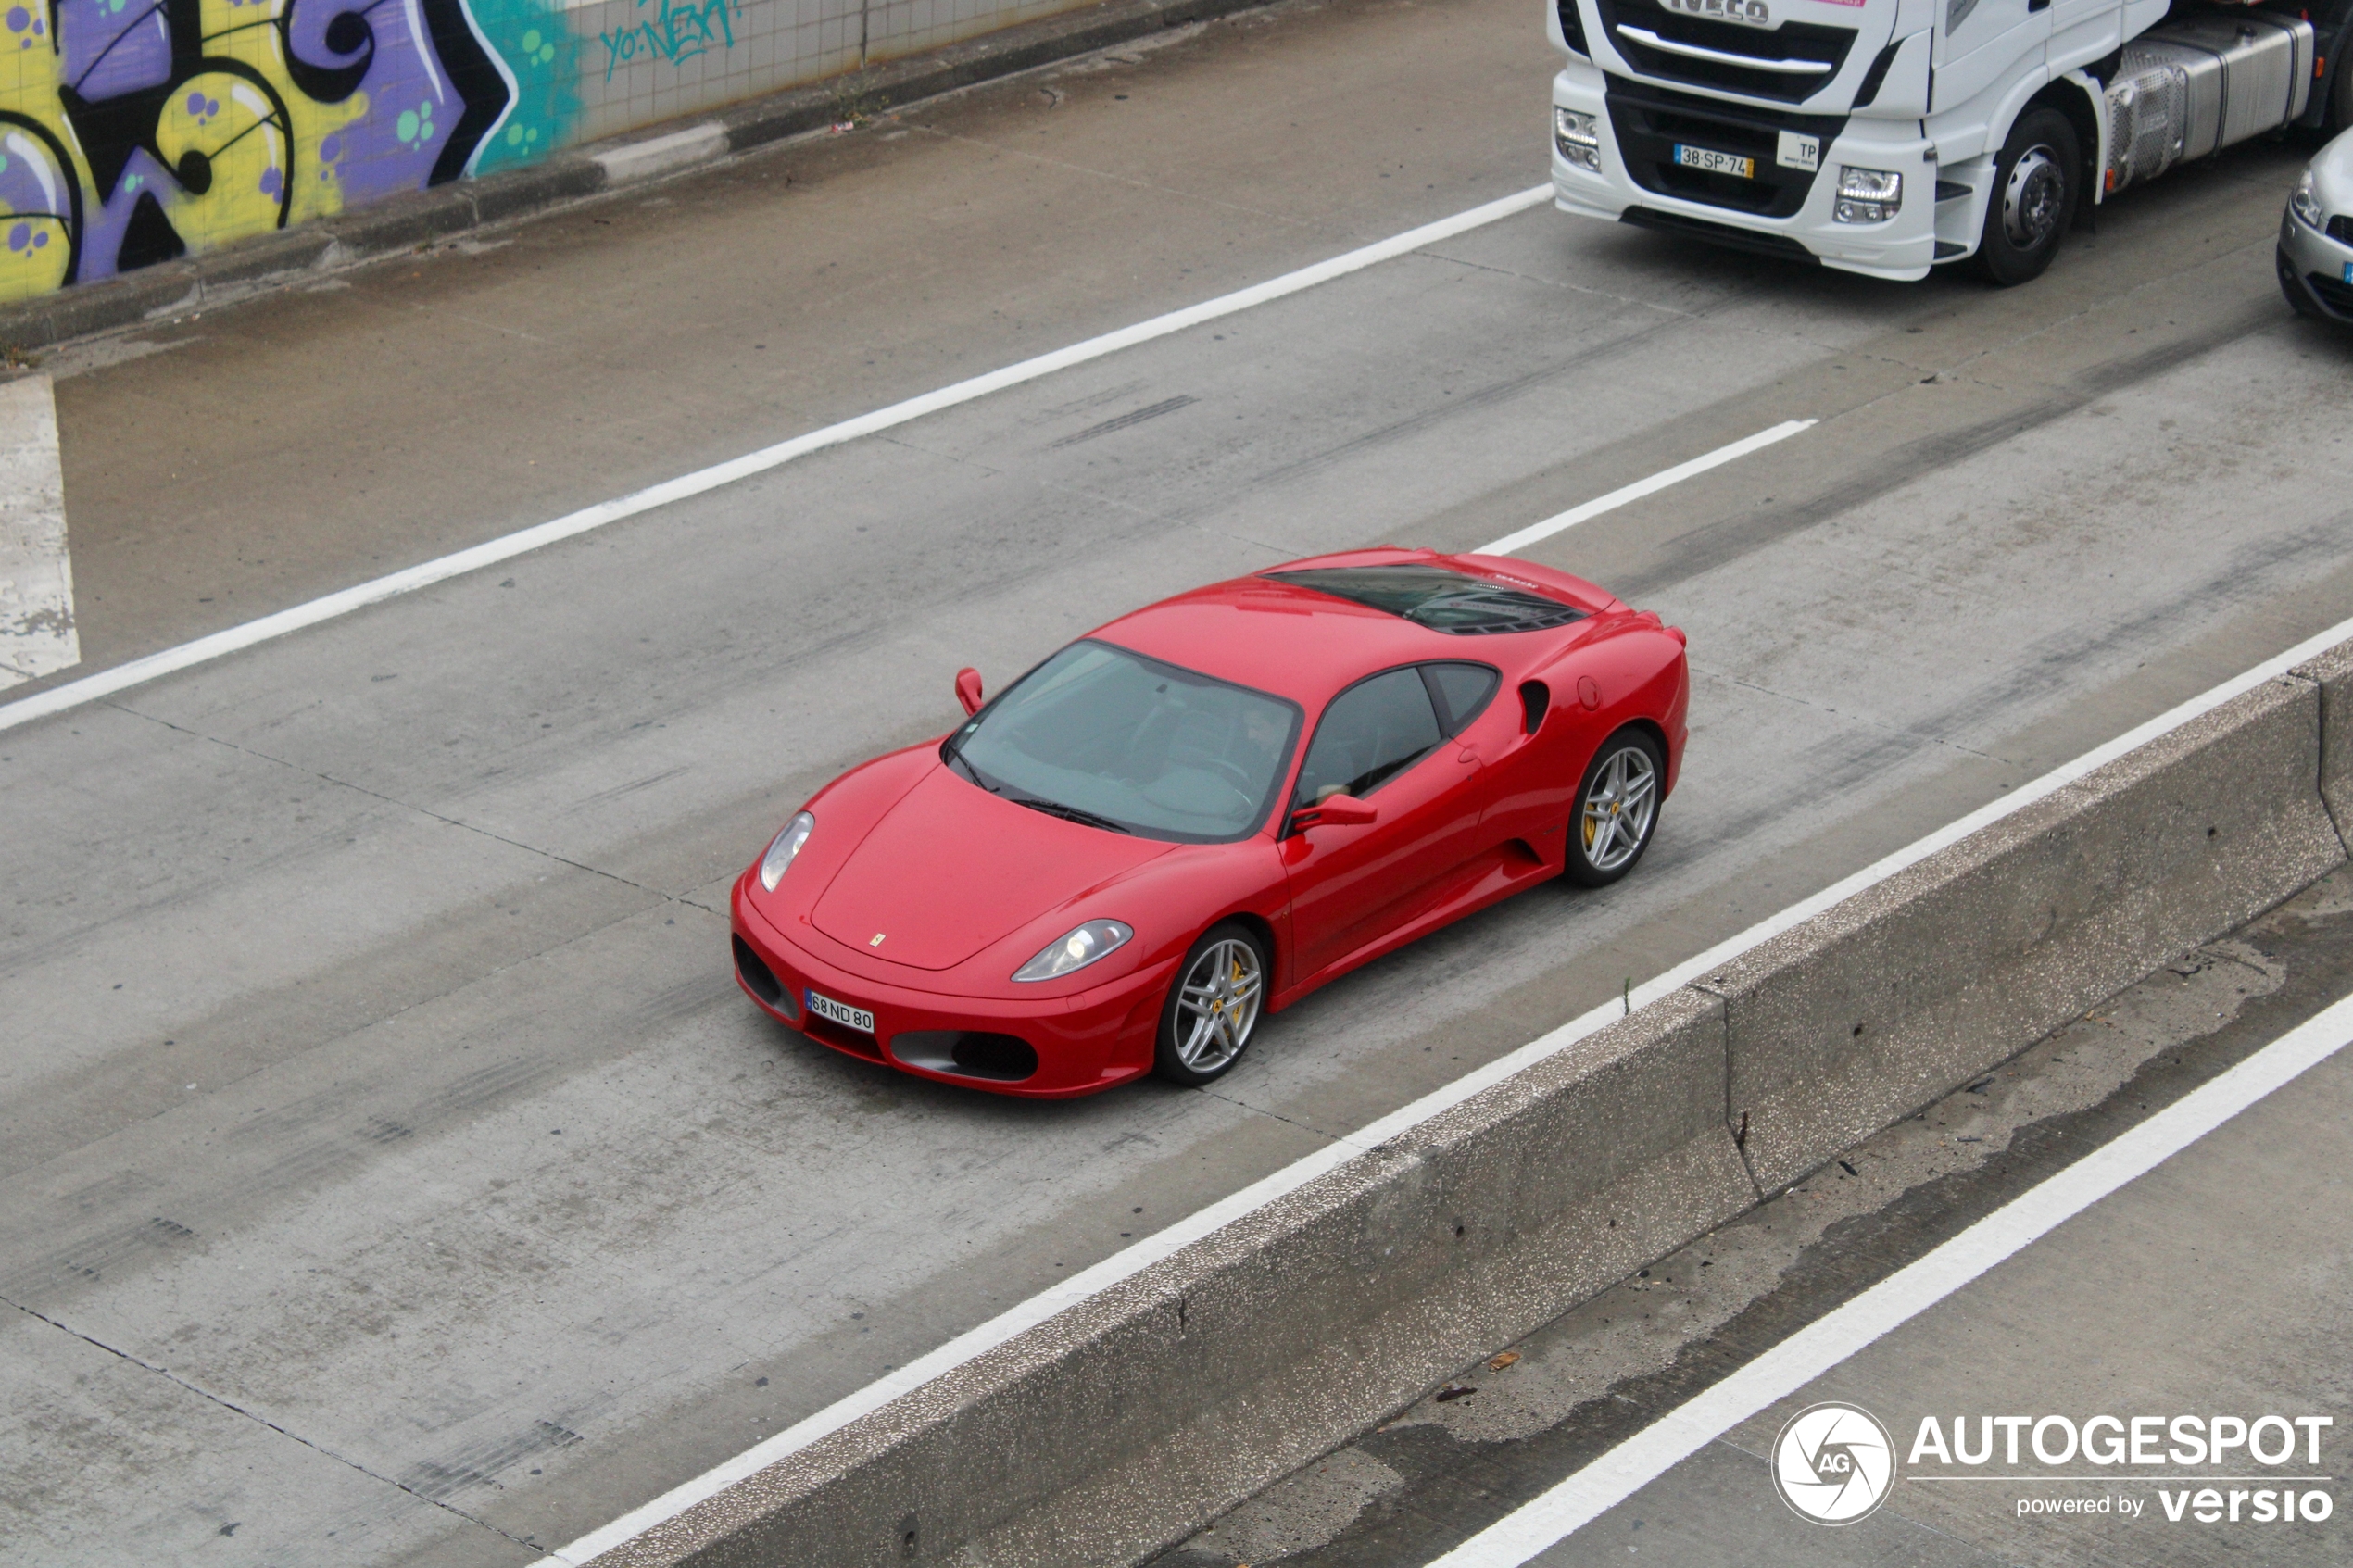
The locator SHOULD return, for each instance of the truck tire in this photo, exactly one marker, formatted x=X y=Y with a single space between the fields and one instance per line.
x=2036 y=187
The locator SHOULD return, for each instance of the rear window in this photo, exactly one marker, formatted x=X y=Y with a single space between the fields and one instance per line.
x=1437 y=597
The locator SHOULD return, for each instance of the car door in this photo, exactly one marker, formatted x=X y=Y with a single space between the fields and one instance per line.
x=1384 y=741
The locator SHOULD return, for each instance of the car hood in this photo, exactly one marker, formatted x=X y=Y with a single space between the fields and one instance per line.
x=951 y=868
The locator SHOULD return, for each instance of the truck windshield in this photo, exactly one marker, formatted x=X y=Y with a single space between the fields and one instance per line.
x=1125 y=743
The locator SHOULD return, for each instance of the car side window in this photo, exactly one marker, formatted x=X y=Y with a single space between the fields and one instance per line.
x=1461 y=691
x=1372 y=732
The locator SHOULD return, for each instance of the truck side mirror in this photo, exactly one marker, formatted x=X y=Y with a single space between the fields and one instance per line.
x=968 y=689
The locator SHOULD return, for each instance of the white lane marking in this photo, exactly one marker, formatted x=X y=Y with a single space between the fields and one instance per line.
x=1133 y=1260
x=1821 y=1346
x=204 y=649
x=37 y=635
x=1642 y=488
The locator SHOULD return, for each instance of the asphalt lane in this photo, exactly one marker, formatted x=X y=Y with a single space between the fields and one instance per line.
x=394 y=1173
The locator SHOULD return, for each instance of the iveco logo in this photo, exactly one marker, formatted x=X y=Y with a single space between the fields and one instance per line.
x=1749 y=13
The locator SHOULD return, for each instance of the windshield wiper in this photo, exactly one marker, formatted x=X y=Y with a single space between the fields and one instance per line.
x=1073 y=814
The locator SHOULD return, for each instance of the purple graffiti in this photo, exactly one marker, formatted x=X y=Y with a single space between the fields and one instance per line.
x=114 y=46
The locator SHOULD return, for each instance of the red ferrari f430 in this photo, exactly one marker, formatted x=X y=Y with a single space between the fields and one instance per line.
x=1201 y=812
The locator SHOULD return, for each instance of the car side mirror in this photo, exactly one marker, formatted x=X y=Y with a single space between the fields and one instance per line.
x=968 y=689
x=1335 y=812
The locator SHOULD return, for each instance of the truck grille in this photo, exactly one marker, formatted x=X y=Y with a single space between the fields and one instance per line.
x=1790 y=44
x=1649 y=122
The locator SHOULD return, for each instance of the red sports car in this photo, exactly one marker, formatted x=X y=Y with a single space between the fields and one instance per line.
x=1125 y=859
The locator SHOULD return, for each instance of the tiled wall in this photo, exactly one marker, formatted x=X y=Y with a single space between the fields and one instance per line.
x=135 y=131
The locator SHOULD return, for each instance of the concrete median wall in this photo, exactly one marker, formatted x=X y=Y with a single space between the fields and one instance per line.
x=1133 y=1417
x=1905 y=992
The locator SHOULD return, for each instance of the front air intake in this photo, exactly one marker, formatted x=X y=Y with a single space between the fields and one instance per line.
x=967 y=1053
x=761 y=981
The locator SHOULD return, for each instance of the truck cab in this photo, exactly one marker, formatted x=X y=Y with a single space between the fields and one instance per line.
x=1888 y=136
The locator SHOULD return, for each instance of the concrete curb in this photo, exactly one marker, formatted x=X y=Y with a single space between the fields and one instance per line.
x=295 y=256
x=1131 y=1417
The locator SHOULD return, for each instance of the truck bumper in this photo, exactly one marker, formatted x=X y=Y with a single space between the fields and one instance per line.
x=1639 y=186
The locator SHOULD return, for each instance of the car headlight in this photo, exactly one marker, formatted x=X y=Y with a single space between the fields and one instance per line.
x=782 y=848
x=1578 y=136
x=1868 y=195
x=2306 y=204
x=1069 y=954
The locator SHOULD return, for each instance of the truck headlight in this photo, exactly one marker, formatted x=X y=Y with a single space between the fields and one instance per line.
x=1578 y=136
x=2306 y=204
x=1868 y=195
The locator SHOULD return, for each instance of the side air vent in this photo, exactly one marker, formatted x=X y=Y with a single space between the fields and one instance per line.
x=1573 y=27
x=1535 y=700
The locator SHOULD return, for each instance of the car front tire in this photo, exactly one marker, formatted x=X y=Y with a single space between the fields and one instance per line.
x=1213 y=1006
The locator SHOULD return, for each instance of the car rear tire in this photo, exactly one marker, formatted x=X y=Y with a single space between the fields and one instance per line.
x=2036 y=184
x=1617 y=809
x=1213 y=1006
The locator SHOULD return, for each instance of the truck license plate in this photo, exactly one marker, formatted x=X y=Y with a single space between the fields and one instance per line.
x=841 y=1012
x=1715 y=162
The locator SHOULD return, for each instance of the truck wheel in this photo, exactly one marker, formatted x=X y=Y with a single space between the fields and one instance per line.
x=2033 y=199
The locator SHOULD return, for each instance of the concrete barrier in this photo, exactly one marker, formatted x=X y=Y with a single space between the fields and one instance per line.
x=2333 y=673
x=1130 y=1419
x=1898 y=996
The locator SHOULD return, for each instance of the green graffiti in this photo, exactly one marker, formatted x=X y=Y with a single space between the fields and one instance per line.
x=530 y=36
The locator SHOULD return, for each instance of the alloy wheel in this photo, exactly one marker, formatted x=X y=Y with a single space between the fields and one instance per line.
x=1217 y=1005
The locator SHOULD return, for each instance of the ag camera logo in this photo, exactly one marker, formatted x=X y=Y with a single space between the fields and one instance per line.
x=1834 y=1463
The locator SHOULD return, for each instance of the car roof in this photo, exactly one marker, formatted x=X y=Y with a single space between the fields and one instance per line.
x=1298 y=642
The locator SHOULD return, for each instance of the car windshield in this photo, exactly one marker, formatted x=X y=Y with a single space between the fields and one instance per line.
x=1110 y=737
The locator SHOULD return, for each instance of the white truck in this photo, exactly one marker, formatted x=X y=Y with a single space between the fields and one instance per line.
x=1888 y=136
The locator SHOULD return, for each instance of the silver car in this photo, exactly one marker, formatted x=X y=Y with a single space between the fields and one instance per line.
x=2316 y=236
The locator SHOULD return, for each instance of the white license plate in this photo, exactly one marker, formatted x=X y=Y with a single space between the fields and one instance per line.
x=841 y=1012
x=1715 y=162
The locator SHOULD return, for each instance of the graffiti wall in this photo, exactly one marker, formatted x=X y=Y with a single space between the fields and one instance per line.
x=132 y=131
x=135 y=131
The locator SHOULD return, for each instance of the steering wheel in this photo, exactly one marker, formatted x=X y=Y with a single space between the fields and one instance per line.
x=1236 y=775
